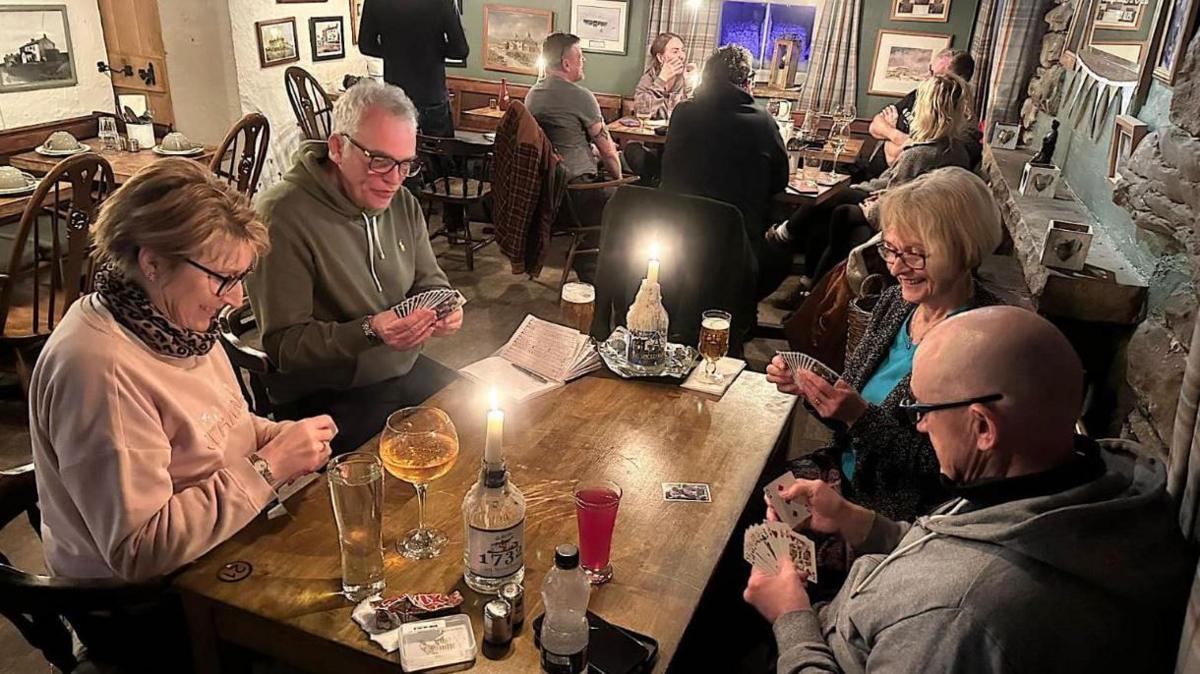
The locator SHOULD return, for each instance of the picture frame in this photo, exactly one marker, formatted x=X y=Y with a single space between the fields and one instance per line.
x=327 y=37
x=1179 y=19
x=1040 y=180
x=1066 y=245
x=901 y=60
x=46 y=62
x=457 y=63
x=512 y=37
x=1128 y=132
x=356 y=7
x=921 y=10
x=277 y=41
x=1126 y=51
x=602 y=25
x=1118 y=14
x=1005 y=135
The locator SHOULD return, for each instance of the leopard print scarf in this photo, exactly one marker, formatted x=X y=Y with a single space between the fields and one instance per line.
x=133 y=309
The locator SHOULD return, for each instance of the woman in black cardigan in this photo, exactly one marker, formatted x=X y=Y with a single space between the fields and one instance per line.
x=936 y=231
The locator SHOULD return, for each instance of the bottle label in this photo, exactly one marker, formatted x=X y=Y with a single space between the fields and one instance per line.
x=496 y=553
x=573 y=663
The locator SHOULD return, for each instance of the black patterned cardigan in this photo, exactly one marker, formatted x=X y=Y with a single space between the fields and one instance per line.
x=896 y=470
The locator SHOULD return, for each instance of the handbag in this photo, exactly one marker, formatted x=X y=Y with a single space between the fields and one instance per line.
x=818 y=326
x=858 y=317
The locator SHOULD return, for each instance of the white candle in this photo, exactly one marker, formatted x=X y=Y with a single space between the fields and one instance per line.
x=494 y=445
x=652 y=270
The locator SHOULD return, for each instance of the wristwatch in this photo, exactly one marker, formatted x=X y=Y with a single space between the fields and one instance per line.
x=369 y=331
x=260 y=464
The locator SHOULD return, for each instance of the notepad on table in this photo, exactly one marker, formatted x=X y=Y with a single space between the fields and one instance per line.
x=540 y=357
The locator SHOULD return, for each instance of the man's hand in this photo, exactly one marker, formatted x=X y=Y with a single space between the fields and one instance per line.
x=838 y=401
x=403 y=334
x=775 y=595
x=829 y=512
x=448 y=325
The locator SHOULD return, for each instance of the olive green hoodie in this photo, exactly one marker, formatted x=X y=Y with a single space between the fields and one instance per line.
x=331 y=264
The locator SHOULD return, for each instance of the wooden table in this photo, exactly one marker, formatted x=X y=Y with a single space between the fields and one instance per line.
x=124 y=164
x=642 y=134
x=638 y=434
x=793 y=195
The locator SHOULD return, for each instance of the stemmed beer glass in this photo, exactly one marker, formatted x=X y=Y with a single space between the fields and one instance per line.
x=418 y=445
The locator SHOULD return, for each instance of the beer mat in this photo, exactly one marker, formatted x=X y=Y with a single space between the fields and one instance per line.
x=728 y=368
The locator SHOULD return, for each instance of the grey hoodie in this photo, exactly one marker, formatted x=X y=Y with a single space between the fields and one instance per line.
x=1091 y=579
x=331 y=264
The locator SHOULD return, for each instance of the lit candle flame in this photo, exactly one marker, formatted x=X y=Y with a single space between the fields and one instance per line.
x=495 y=399
x=654 y=251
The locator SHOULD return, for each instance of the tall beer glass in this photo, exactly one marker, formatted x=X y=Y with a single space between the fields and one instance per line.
x=714 y=341
x=418 y=445
x=578 y=306
x=356 y=491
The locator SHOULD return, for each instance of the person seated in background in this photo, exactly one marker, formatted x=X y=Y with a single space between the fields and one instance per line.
x=893 y=124
x=937 y=230
x=1057 y=553
x=839 y=224
x=724 y=147
x=350 y=244
x=666 y=82
x=145 y=453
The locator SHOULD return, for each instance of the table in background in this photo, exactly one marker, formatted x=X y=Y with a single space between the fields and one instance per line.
x=642 y=134
x=486 y=116
x=124 y=164
x=13 y=207
x=637 y=434
x=823 y=193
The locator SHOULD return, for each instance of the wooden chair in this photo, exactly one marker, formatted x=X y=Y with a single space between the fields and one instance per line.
x=37 y=286
x=569 y=225
x=457 y=175
x=239 y=335
x=240 y=157
x=310 y=103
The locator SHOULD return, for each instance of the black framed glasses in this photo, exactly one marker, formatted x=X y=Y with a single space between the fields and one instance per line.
x=382 y=163
x=916 y=411
x=914 y=261
x=224 y=283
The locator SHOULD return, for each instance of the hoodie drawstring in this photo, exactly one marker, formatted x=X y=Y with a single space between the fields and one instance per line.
x=371 y=227
x=900 y=551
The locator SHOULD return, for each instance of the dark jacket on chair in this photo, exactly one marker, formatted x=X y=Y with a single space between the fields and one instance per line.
x=526 y=188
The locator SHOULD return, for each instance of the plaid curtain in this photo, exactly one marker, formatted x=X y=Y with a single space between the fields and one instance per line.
x=983 y=40
x=1016 y=47
x=698 y=26
x=833 y=64
x=1183 y=482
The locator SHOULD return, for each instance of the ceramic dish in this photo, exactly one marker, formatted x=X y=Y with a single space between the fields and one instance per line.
x=31 y=184
x=158 y=149
x=83 y=147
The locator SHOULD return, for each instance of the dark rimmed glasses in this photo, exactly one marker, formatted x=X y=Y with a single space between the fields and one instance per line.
x=382 y=164
x=916 y=411
x=914 y=261
x=224 y=283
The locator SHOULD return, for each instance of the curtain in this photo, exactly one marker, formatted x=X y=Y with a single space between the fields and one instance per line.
x=833 y=64
x=983 y=40
x=1183 y=482
x=696 y=21
x=1018 y=29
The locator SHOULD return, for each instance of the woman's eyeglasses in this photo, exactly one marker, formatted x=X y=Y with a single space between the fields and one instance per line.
x=224 y=283
x=914 y=261
x=381 y=164
x=916 y=411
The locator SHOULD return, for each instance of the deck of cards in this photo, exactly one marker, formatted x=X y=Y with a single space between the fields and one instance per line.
x=797 y=361
x=765 y=544
x=443 y=301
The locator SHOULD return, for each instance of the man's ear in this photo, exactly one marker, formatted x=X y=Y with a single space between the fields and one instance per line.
x=337 y=145
x=983 y=423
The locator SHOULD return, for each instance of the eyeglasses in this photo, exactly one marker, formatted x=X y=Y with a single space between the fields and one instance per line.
x=916 y=411
x=381 y=163
x=914 y=261
x=224 y=283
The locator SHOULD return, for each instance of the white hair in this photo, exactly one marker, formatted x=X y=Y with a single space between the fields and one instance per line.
x=368 y=93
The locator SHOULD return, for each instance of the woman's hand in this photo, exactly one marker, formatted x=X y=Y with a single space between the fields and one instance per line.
x=299 y=448
x=832 y=401
x=448 y=325
x=779 y=374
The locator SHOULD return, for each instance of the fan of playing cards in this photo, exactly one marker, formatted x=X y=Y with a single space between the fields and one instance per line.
x=797 y=361
x=443 y=301
x=765 y=543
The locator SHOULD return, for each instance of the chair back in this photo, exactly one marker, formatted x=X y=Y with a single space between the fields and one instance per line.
x=310 y=103
x=56 y=225
x=455 y=170
x=706 y=261
x=240 y=157
x=238 y=328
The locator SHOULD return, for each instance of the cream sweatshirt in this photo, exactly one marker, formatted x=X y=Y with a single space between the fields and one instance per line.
x=140 y=458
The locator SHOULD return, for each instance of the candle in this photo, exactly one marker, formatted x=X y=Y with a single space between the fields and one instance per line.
x=541 y=68
x=652 y=270
x=494 y=445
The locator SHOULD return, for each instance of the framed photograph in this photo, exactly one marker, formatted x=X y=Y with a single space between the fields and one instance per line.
x=512 y=37
x=902 y=60
x=457 y=63
x=35 y=45
x=1128 y=132
x=1181 y=15
x=355 y=19
x=277 y=41
x=327 y=37
x=921 y=10
x=1119 y=14
x=602 y=25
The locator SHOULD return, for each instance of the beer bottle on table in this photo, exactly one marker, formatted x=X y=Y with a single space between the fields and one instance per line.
x=565 y=592
x=503 y=97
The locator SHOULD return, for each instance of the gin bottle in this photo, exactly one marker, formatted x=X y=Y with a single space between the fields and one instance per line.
x=494 y=517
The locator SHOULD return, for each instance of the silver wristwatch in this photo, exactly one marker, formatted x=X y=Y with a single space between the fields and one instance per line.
x=370 y=331
x=260 y=464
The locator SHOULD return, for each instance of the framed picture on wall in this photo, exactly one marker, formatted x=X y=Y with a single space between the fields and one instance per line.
x=457 y=63
x=277 y=41
x=1126 y=51
x=1128 y=132
x=512 y=37
x=921 y=10
x=902 y=60
x=1119 y=14
x=1180 y=15
x=602 y=25
x=36 y=49
x=327 y=37
x=355 y=18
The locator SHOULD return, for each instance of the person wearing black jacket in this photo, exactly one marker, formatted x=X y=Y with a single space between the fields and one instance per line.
x=722 y=146
x=414 y=38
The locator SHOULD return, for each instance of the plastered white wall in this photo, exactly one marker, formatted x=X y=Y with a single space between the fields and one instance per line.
x=93 y=90
x=200 y=67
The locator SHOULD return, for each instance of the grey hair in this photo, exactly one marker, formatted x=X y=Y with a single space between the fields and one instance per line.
x=368 y=93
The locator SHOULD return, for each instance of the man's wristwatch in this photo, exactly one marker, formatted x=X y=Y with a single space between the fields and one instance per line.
x=370 y=331
x=260 y=464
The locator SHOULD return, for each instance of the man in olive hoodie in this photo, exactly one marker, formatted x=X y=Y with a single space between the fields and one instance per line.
x=348 y=244
x=1058 y=554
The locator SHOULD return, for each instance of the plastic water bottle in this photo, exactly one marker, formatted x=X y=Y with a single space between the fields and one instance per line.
x=565 y=628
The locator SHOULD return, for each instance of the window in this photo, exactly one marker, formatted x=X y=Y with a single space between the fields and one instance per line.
x=756 y=24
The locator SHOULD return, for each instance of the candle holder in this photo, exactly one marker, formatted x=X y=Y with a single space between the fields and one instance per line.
x=647 y=322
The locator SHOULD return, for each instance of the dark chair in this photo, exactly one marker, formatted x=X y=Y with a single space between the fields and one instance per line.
x=706 y=261
x=41 y=278
x=568 y=223
x=239 y=335
x=310 y=103
x=458 y=175
x=240 y=157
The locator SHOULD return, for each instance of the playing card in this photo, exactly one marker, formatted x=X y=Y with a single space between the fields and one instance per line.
x=792 y=512
x=757 y=549
x=797 y=361
x=686 y=491
x=443 y=301
x=763 y=545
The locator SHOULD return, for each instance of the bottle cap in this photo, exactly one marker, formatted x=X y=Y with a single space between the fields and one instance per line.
x=566 y=556
x=514 y=594
x=497 y=622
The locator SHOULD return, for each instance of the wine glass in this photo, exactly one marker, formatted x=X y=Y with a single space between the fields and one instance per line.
x=837 y=143
x=418 y=445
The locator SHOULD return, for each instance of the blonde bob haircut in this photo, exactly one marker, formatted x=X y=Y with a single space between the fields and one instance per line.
x=178 y=209
x=951 y=211
x=940 y=109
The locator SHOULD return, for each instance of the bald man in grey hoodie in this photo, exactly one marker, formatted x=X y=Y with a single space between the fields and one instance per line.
x=1057 y=554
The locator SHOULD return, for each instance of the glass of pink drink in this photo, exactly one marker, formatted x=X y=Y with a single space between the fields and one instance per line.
x=596 y=504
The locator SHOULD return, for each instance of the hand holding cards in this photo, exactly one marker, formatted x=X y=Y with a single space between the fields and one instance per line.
x=797 y=361
x=763 y=545
x=791 y=512
x=443 y=302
